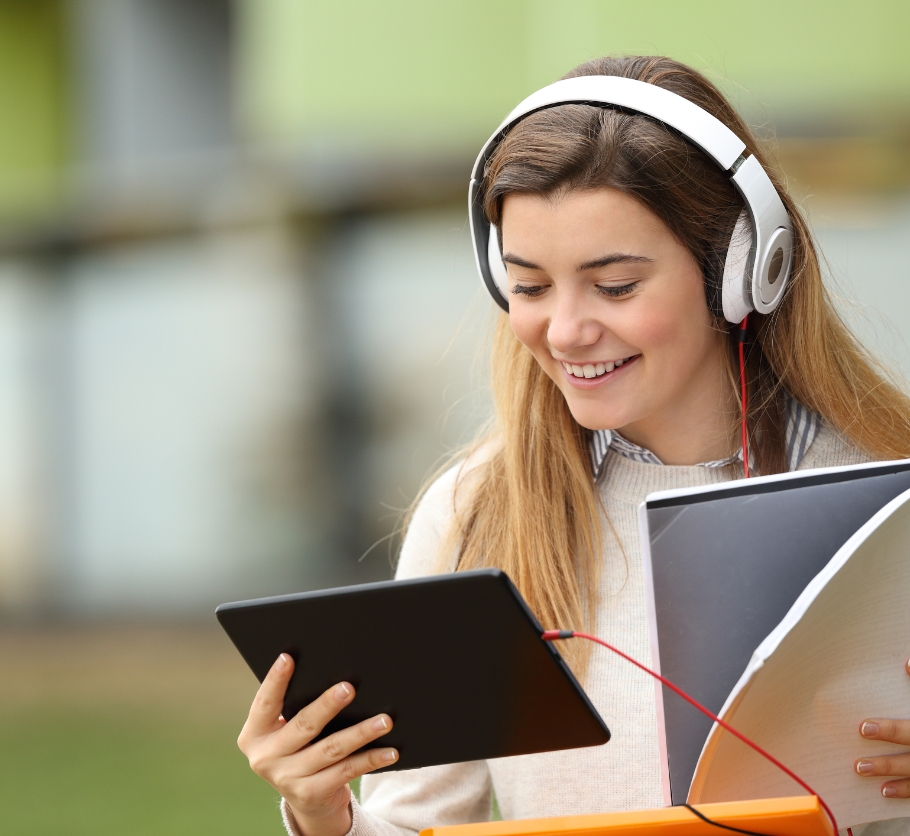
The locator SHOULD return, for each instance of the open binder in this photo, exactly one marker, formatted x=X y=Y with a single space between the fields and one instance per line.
x=737 y=573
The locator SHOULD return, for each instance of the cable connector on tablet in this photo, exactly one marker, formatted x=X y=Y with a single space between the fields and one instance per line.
x=554 y=635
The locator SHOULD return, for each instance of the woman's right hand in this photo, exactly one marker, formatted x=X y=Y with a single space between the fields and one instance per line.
x=312 y=777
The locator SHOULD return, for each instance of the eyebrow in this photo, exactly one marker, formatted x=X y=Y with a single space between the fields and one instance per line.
x=518 y=261
x=603 y=261
x=614 y=258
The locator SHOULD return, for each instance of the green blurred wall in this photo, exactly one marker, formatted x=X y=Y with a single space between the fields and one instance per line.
x=33 y=133
x=435 y=76
x=449 y=70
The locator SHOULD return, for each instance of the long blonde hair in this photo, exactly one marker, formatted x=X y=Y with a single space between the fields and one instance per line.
x=530 y=506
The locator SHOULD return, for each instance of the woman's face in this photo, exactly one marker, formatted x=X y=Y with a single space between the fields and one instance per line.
x=613 y=308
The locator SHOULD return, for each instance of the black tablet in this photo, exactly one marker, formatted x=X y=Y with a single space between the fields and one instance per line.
x=456 y=660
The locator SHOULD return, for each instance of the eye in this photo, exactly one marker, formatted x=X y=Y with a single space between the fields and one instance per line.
x=524 y=290
x=615 y=291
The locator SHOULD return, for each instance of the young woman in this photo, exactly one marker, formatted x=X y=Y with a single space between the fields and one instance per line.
x=615 y=375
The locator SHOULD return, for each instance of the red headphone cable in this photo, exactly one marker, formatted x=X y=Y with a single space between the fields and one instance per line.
x=555 y=635
x=741 y=337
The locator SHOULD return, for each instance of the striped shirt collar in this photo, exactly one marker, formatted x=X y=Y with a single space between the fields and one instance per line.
x=802 y=427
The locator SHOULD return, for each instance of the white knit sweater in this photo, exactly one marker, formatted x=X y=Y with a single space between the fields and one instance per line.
x=624 y=774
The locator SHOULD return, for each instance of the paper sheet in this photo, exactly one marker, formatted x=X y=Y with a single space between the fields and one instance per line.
x=836 y=658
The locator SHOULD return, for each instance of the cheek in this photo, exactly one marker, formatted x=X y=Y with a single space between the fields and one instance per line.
x=653 y=330
x=528 y=328
x=678 y=332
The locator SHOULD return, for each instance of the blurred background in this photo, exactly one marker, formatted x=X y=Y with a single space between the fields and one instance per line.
x=240 y=324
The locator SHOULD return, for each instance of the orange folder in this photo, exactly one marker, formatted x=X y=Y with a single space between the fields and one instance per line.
x=801 y=816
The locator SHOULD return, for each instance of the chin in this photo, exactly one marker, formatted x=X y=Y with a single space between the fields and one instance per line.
x=597 y=419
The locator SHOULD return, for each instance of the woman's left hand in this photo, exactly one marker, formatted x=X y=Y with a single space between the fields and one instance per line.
x=892 y=731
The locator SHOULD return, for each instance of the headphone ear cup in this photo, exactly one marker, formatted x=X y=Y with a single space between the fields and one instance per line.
x=736 y=294
x=497 y=266
x=772 y=273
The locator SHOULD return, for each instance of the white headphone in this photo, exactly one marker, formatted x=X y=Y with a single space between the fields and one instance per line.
x=762 y=239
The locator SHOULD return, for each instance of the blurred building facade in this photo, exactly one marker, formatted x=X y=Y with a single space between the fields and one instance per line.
x=239 y=322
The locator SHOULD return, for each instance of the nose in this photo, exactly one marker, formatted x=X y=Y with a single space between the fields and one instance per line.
x=571 y=327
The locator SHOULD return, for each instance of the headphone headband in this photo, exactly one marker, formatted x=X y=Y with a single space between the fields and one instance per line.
x=771 y=226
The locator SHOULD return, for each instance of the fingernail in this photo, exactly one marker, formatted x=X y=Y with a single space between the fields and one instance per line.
x=390 y=755
x=342 y=692
x=889 y=792
x=869 y=729
x=282 y=661
x=380 y=723
x=863 y=767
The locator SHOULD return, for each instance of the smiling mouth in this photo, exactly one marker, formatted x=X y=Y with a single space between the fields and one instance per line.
x=593 y=370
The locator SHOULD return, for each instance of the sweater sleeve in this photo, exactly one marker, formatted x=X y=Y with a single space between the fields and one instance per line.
x=404 y=803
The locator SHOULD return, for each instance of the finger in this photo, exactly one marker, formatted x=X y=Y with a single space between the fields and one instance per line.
x=897 y=789
x=884 y=765
x=353 y=767
x=265 y=712
x=893 y=731
x=338 y=746
x=312 y=719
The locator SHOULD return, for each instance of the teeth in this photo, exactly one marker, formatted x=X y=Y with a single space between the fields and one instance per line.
x=589 y=370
